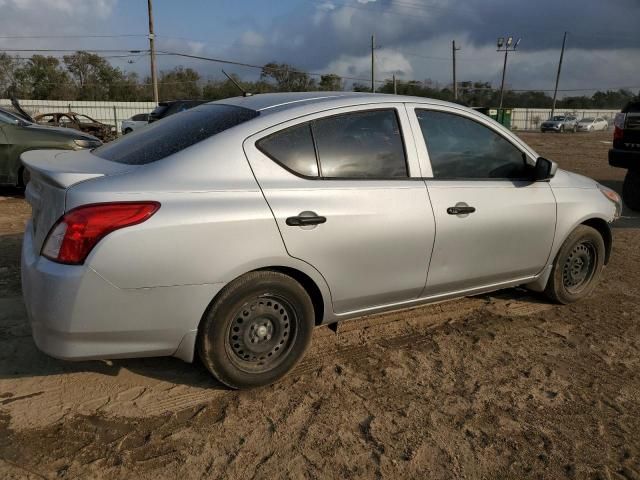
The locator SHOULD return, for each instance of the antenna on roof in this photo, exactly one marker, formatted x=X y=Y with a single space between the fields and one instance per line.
x=244 y=92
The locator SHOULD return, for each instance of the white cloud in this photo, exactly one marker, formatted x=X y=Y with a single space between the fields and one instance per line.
x=388 y=63
x=251 y=38
x=196 y=47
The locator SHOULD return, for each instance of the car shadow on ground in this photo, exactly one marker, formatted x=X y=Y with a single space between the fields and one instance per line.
x=11 y=192
x=629 y=219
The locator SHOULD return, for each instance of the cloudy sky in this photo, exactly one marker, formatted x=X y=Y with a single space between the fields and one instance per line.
x=414 y=36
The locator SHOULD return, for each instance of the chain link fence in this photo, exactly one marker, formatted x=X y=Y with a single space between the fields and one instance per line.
x=113 y=113
x=531 y=118
x=110 y=113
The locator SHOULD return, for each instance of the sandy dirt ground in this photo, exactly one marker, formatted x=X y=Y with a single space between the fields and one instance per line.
x=498 y=386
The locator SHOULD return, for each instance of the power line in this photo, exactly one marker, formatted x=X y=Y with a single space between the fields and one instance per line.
x=262 y=67
x=53 y=50
x=119 y=35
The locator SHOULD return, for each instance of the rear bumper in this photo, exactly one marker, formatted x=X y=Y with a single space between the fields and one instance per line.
x=624 y=158
x=75 y=314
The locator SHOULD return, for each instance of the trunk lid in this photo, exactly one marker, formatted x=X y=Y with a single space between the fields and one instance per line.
x=52 y=173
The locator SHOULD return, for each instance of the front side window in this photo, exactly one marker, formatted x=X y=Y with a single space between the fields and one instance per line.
x=364 y=144
x=293 y=149
x=462 y=148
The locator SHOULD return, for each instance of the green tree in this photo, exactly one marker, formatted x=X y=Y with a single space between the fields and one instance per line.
x=287 y=78
x=95 y=77
x=179 y=84
x=331 y=83
x=43 y=78
x=8 y=68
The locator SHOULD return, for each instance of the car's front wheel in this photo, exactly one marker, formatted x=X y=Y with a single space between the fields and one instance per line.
x=256 y=330
x=577 y=267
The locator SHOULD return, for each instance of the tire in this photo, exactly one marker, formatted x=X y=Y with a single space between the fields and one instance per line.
x=20 y=182
x=631 y=190
x=127 y=130
x=561 y=128
x=575 y=129
x=577 y=267
x=257 y=330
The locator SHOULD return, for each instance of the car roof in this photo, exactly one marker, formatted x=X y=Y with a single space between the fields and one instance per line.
x=267 y=103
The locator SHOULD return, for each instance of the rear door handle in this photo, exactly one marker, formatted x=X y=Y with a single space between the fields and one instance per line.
x=460 y=210
x=305 y=220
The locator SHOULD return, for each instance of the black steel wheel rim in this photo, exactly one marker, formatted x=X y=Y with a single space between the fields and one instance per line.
x=579 y=267
x=261 y=333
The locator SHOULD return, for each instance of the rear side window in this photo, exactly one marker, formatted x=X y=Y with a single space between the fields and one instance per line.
x=173 y=134
x=462 y=148
x=140 y=117
x=293 y=149
x=361 y=145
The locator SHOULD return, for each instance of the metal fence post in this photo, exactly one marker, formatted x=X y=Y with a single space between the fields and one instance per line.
x=115 y=120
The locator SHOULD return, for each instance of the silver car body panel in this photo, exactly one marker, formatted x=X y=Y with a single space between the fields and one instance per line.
x=386 y=243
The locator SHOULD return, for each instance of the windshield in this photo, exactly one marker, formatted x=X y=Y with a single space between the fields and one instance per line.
x=85 y=119
x=558 y=118
x=586 y=120
x=173 y=134
x=7 y=118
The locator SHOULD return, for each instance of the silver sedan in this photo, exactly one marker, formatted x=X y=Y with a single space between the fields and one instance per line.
x=230 y=230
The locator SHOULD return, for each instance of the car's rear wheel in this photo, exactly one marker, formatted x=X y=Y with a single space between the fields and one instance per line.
x=577 y=267
x=631 y=189
x=127 y=130
x=256 y=330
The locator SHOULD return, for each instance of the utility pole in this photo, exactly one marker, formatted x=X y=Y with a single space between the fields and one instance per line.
x=504 y=72
x=555 y=92
x=395 y=85
x=152 y=48
x=373 y=64
x=455 y=83
x=505 y=46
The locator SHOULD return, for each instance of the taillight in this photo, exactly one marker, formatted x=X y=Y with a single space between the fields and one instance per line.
x=618 y=133
x=73 y=237
x=618 y=130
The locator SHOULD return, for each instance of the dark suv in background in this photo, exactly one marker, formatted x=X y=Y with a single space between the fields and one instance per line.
x=626 y=152
x=164 y=109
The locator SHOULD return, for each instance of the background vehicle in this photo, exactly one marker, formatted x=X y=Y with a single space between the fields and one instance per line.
x=137 y=121
x=626 y=152
x=592 y=124
x=560 y=123
x=164 y=109
x=77 y=121
x=294 y=210
x=18 y=135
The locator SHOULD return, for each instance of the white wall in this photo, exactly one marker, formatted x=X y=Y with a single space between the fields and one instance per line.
x=531 y=118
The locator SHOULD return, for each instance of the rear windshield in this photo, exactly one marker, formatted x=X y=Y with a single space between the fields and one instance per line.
x=173 y=134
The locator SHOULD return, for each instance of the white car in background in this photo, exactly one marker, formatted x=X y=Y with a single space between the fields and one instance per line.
x=137 y=121
x=591 y=124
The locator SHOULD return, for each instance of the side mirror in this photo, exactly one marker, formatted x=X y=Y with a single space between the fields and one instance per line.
x=543 y=170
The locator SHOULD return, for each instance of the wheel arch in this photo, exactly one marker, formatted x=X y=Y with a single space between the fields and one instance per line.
x=605 y=231
x=308 y=284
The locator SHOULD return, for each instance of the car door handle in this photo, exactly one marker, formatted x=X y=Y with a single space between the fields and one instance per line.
x=305 y=220
x=460 y=210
